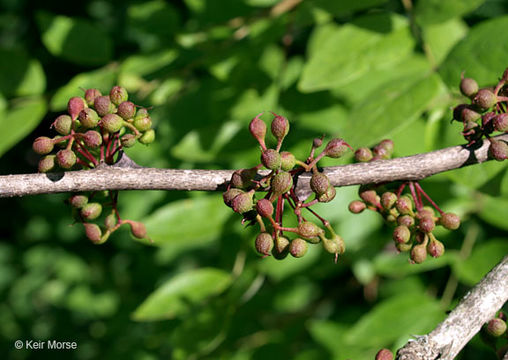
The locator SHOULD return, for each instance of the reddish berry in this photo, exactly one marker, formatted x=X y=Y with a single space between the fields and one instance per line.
x=66 y=158
x=384 y=354
x=264 y=208
x=485 y=99
x=401 y=234
x=257 y=128
x=229 y=195
x=435 y=248
x=118 y=95
x=91 y=95
x=42 y=145
x=138 y=229
x=319 y=183
x=336 y=148
x=78 y=201
x=450 y=221
x=74 y=106
x=363 y=154
x=103 y=105
x=498 y=149
x=47 y=163
x=418 y=253
x=501 y=122
x=242 y=203
x=112 y=123
x=92 y=139
x=271 y=159
x=468 y=87
x=280 y=127
x=93 y=232
x=126 y=110
x=264 y=243
x=357 y=206
x=91 y=211
x=281 y=183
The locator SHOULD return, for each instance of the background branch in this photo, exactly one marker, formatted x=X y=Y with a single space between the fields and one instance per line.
x=126 y=175
x=475 y=309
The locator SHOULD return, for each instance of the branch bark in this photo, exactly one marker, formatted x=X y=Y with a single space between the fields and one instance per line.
x=126 y=175
x=475 y=309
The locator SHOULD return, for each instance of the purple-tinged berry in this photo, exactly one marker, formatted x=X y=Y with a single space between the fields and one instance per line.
x=92 y=139
x=118 y=95
x=319 y=183
x=75 y=105
x=103 y=105
x=468 y=87
x=404 y=205
x=317 y=142
x=485 y=99
x=128 y=140
x=271 y=159
x=138 y=229
x=496 y=327
x=287 y=161
x=47 y=163
x=501 y=122
x=148 y=137
x=279 y=127
x=112 y=123
x=43 y=145
x=126 y=110
x=257 y=128
x=388 y=200
x=308 y=230
x=370 y=197
x=384 y=354
x=498 y=149
x=401 y=234
x=93 y=232
x=435 y=248
x=298 y=247
x=450 y=221
x=264 y=243
x=336 y=148
x=384 y=149
x=89 y=118
x=242 y=178
x=91 y=211
x=328 y=196
x=63 y=124
x=242 y=203
x=91 y=95
x=357 y=206
x=66 y=158
x=469 y=114
x=363 y=154
x=426 y=224
x=264 y=208
x=406 y=220
x=230 y=194
x=281 y=183
x=78 y=201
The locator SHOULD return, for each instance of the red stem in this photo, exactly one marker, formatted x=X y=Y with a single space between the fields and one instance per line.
x=416 y=198
x=420 y=190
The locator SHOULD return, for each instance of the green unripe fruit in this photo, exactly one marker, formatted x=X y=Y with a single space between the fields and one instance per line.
x=401 y=234
x=92 y=139
x=356 y=206
x=426 y=224
x=450 y=221
x=404 y=205
x=242 y=203
x=308 y=230
x=468 y=87
x=271 y=159
x=363 y=154
x=91 y=95
x=485 y=99
x=47 y=163
x=328 y=196
x=126 y=110
x=66 y=158
x=281 y=183
x=89 y=118
x=384 y=354
x=118 y=95
x=91 y=211
x=138 y=229
x=319 y=183
x=257 y=128
x=103 y=105
x=110 y=221
x=418 y=253
x=143 y=123
x=112 y=123
x=406 y=220
x=264 y=207
x=78 y=201
x=63 y=124
x=288 y=161
x=496 y=327
x=74 y=106
x=403 y=247
x=280 y=127
x=43 y=145
x=501 y=122
x=128 y=140
x=242 y=179
x=388 y=200
x=230 y=194
x=93 y=232
x=264 y=243
x=336 y=148
x=298 y=247
x=281 y=248
x=498 y=149
x=435 y=248
x=335 y=245
x=148 y=137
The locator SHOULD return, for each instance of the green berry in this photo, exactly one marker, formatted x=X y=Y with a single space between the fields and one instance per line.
x=450 y=221
x=356 y=206
x=335 y=245
x=242 y=203
x=91 y=95
x=328 y=196
x=319 y=183
x=92 y=139
x=288 y=161
x=418 y=253
x=281 y=248
x=110 y=221
x=91 y=211
x=401 y=234
x=66 y=158
x=118 y=95
x=103 y=105
x=388 y=200
x=42 y=145
x=230 y=194
x=47 y=163
x=128 y=140
x=89 y=118
x=308 y=230
x=148 y=137
x=126 y=110
x=468 y=87
x=280 y=127
x=143 y=123
x=63 y=124
x=264 y=243
x=75 y=105
x=298 y=247
x=242 y=178
x=112 y=123
x=363 y=154
x=271 y=159
x=485 y=99
x=281 y=183
x=496 y=327
x=264 y=207
x=78 y=201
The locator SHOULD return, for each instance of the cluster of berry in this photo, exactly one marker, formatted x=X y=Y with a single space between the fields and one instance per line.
x=485 y=114
x=278 y=186
x=413 y=221
x=93 y=132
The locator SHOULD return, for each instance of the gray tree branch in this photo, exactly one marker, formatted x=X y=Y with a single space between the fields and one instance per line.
x=475 y=309
x=126 y=175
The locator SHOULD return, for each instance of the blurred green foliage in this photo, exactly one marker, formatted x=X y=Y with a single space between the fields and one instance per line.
x=364 y=70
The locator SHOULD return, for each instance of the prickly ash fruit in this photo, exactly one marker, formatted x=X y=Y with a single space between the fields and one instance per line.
x=357 y=206
x=63 y=124
x=288 y=161
x=498 y=149
x=110 y=221
x=485 y=99
x=264 y=208
x=138 y=229
x=118 y=95
x=103 y=105
x=257 y=128
x=143 y=123
x=469 y=114
x=91 y=211
x=93 y=232
x=148 y=137
x=384 y=149
x=317 y=142
x=89 y=118
x=126 y=110
x=308 y=230
x=128 y=140
x=91 y=95
x=426 y=224
x=404 y=205
x=298 y=247
x=496 y=327
x=418 y=253
x=370 y=197
x=401 y=234
x=66 y=158
x=328 y=196
x=450 y=221
x=336 y=148
x=319 y=183
x=74 y=106
x=406 y=220
x=264 y=243
x=281 y=183
x=229 y=195
x=47 y=163
x=435 y=248
x=42 y=145
x=468 y=87
x=281 y=248
x=501 y=122
x=92 y=139
x=280 y=127
x=334 y=245
x=363 y=154
x=78 y=201
x=242 y=178
x=242 y=203
x=271 y=159
x=388 y=200
x=112 y=123
x=384 y=354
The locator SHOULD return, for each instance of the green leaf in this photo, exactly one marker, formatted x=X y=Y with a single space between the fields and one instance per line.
x=76 y=40
x=481 y=54
x=102 y=79
x=437 y=11
x=20 y=121
x=483 y=258
x=476 y=175
x=155 y=17
x=21 y=76
x=340 y=8
x=189 y=223
x=439 y=46
x=341 y=54
x=407 y=314
x=397 y=265
x=395 y=106
x=176 y=296
x=494 y=210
